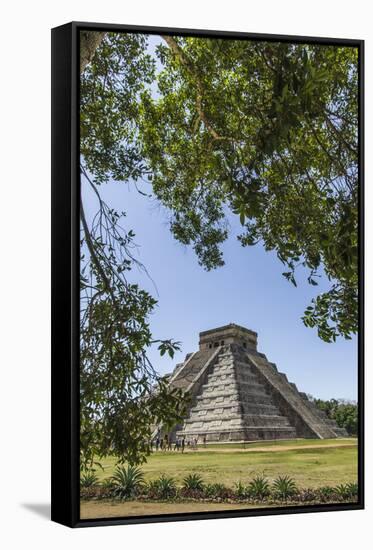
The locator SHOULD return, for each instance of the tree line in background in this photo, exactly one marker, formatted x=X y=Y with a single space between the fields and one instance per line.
x=344 y=412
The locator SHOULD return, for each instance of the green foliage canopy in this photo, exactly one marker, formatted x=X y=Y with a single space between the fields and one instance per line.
x=122 y=397
x=268 y=130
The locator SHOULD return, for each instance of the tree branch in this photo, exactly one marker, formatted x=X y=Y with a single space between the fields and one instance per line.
x=178 y=52
x=92 y=251
x=89 y=42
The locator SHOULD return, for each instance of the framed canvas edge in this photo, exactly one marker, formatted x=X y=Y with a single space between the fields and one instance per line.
x=65 y=271
x=65 y=488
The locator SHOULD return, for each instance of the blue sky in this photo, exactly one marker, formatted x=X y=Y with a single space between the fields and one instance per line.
x=249 y=290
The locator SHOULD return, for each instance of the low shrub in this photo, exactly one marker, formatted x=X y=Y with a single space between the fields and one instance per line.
x=259 y=488
x=127 y=482
x=107 y=484
x=241 y=491
x=106 y=488
x=88 y=479
x=162 y=488
x=305 y=495
x=284 y=487
x=347 y=491
x=217 y=491
x=326 y=494
x=193 y=482
x=193 y=486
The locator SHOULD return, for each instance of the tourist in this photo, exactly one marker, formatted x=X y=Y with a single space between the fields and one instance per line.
x=182 y=444
x=157 y=443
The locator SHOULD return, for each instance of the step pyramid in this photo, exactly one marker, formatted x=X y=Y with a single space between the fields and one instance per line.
x=236 y=394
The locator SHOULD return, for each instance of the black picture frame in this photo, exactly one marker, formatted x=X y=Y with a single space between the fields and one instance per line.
x=65 y=275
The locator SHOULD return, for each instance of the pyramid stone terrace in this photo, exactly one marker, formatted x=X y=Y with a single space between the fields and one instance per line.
x=236 y=394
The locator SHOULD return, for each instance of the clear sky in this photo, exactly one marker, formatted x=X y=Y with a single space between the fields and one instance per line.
x=249 y=290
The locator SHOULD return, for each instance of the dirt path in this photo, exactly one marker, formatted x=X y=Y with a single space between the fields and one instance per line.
x=92 y=510
x=277 y=448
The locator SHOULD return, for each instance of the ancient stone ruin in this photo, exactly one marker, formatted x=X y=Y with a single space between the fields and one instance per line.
x=236 y=394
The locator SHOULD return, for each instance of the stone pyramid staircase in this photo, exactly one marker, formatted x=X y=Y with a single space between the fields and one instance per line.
x=236 y=394
x=307 y=419
x=233 y=404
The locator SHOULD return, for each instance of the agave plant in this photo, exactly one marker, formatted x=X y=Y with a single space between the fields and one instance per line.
x=88 y=480
x=216 y=490
x=347 y=491
x=107 y=487
x=107 y=483
x=326 y=493
x=241 y=490
x=353 y=489
x=127 y=481
x=151 y=488
x=284 y=487
x=259 y=487
x=164 y=487
x=193 y=482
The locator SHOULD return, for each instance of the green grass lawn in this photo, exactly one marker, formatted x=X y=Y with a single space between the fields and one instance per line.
x=312 y=463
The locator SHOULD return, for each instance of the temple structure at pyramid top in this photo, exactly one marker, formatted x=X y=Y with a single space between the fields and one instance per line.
x=236 y=394
x=228 y=334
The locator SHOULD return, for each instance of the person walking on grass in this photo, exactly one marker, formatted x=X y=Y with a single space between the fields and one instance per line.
x=182 y=444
